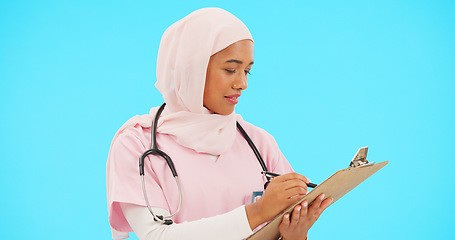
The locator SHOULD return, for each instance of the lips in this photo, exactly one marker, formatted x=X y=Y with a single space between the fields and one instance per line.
x=234 y=98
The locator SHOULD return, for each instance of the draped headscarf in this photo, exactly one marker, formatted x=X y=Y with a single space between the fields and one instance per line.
x=183 y=57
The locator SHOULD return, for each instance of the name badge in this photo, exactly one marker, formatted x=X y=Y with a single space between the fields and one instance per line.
x=256 y=196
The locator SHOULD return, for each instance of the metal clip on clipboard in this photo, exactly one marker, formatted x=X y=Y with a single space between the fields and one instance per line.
x=360 y=158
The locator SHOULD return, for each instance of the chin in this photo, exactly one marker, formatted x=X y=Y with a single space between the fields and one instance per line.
x=225 y=112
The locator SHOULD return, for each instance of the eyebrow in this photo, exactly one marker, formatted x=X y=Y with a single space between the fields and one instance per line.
x=238 y=61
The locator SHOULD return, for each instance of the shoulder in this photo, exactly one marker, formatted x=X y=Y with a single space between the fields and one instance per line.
x=258 y=135
x=254 y=130
x=268 y=147
x=136 y=127
x=136 y=131
x=132 y=139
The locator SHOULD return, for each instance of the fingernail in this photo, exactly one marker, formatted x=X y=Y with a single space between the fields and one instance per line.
x=298 y=208
x=305 y=204
x=322 y=196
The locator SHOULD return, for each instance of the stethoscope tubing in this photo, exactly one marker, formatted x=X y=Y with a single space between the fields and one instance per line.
x=163 y=219
x=155 y=151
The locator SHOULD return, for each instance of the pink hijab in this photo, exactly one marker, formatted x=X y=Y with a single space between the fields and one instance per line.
x=183 y=57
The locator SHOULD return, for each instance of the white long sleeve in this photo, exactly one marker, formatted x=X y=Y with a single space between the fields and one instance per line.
x=232 y=225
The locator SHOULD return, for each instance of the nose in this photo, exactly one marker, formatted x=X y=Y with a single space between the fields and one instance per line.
x=240 y=82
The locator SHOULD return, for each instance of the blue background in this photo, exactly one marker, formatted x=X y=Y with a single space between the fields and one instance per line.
x=329 y=77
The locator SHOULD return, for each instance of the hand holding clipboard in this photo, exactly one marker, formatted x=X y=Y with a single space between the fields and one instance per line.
x=335 y=187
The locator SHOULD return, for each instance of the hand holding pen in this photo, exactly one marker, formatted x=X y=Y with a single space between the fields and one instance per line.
x=272 y=175
x=282 y=192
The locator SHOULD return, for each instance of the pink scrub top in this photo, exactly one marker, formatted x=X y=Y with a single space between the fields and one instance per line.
x=209 y=188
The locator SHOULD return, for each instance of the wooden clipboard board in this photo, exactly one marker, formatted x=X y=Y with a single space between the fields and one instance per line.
x=335 y=187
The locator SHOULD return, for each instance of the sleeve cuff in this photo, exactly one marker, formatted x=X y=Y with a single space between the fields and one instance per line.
x=243 y=224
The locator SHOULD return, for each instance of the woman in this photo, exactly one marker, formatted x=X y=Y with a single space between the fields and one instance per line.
x=202 y=68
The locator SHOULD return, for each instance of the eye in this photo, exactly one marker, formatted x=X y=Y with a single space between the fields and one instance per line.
x=229 y=70
x=247 y=72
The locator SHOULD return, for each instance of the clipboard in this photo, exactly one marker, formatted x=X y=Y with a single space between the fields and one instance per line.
x=335 y=187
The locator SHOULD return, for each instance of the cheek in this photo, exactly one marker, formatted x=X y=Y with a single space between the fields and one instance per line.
x=215 y=83
x=210 y=88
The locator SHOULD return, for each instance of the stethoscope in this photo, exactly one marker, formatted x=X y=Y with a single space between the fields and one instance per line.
x=155 y=151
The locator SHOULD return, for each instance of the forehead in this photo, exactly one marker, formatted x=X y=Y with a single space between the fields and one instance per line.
x=242 y=50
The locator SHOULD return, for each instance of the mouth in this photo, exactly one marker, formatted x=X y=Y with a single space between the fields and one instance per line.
x=234 y=98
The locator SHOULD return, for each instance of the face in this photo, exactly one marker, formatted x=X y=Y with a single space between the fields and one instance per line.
x=227 y=77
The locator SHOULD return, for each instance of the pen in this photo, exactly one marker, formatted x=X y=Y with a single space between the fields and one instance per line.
x=272 y=175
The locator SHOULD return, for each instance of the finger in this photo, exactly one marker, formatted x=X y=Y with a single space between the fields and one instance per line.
x=285 y=222
x=315 y=205
x=304 y=211
x=294 y=192
x=293 y=183
x=290 y=176
x=323 y=206
x=288 y=189
x=296 y=216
